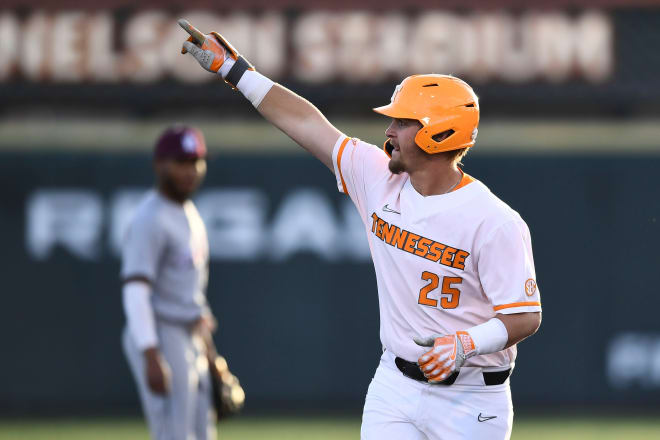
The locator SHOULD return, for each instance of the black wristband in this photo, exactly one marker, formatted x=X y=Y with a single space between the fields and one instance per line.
x=237 y=70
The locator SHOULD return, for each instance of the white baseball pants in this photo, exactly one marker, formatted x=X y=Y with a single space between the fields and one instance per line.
x=398 y=407
x=186 y=413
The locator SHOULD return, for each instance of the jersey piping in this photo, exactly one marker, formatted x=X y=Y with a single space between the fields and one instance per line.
x=339 y=155
x=517 y=304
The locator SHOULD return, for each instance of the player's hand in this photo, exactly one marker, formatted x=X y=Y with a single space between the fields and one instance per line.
x=206 y=323
x=205 y=326
x=157 y=371
x=448 y=355
x=210 y=50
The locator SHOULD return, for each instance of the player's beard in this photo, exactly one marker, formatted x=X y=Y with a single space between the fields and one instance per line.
x=169 y=185
x=396 y=165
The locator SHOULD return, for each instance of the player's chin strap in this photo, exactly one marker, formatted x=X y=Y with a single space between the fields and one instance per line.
x=388 y=148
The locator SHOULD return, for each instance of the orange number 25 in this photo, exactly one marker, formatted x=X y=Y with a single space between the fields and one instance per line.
x=449 y=295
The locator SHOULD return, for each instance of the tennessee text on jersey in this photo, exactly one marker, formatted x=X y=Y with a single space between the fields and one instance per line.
x=418 y=245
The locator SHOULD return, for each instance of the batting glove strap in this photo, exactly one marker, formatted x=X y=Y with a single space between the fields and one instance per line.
x=241 y=65
x=466 y=346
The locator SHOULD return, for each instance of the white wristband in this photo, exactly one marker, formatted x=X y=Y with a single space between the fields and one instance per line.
x=489 y=337
x=139 y=314
x=254 y=86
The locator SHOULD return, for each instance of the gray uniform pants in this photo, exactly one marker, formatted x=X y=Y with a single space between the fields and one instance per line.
x=186 y=413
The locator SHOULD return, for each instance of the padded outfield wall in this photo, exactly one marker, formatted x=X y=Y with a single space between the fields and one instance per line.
x=291 y=279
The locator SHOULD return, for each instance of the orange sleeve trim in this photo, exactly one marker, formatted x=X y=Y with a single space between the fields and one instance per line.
x=339 y=155
x=465 y=180
x=520 y=304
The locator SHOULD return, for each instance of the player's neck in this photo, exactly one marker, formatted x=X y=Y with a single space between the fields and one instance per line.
x=170 y=196
x=436 y=180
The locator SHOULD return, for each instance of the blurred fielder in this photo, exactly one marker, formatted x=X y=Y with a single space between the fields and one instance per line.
x=164 y=271
x=456 y=279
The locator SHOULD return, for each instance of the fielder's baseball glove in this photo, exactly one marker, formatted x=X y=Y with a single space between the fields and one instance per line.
x=228 y=395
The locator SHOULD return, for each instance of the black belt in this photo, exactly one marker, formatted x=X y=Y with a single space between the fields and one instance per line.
x=411 y=370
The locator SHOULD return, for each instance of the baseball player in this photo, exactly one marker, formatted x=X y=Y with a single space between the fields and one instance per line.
x=164 y=271
x=456 y=279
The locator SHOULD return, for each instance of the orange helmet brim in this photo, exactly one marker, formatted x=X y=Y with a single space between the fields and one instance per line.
x=395 y=111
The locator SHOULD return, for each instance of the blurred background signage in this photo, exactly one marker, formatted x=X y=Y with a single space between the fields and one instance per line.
x=550 y=58
x=311 y=46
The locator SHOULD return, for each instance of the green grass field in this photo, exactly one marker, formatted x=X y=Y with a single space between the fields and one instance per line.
x=250 y=428
x=285 y=428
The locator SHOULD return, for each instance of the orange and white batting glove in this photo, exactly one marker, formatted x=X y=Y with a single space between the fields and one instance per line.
x=214 y=53
x=448 y=355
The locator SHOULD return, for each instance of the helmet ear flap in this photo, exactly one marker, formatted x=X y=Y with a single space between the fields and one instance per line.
x=433 y=143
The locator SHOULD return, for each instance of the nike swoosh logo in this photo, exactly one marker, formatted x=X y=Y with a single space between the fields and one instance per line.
x=485 y=418
x=386 y=208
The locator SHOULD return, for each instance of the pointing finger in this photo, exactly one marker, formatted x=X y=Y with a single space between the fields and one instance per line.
x=192 y=30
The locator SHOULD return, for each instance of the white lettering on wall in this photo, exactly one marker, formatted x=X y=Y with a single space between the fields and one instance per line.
x=594 y=43
x=353 y=46
x=633 y=360
x=269 y=44
x=353 y=231
x=142 y=60
x=358 y=56
x=432 y=43
x=304 y=223
x=67 y=42
x=122 y=206
x=33 y=60
x=70 y=218
x=479 y=46
x=101 y=59
x=238 y=222
x=235 y=222
x=8 y=44
x=314 y=52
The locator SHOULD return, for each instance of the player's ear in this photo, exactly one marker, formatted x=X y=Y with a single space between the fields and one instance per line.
x=200 y=166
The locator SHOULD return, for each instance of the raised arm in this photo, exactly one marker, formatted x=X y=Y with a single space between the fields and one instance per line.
x=301 y=121
x=295 y=116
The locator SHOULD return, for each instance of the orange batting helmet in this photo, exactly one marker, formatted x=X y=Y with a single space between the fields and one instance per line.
x=443 y=104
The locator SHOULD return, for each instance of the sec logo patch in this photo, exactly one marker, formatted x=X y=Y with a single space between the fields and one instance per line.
x=530 y=287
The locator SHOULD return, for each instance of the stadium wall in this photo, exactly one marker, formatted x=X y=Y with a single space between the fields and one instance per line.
x=291 y=279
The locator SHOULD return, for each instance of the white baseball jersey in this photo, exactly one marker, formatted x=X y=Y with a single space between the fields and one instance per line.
x=166 y=242
x=443 y=263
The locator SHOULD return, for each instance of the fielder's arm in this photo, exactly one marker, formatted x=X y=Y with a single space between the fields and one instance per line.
x=295 y=116
x=140 y=319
